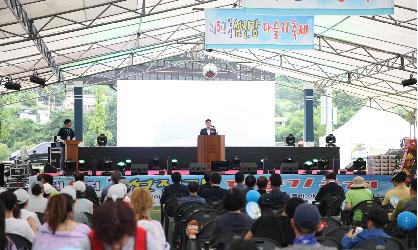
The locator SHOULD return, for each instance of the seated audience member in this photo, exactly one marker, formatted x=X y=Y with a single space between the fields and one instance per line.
x=5 y=242
x=250 y=182
x=21 y=212
x=233 y=202
x=12 y=225
x=408 y=204
x=45 y=178
x=376 y=221
x=262 y=185
x=276 y=226
x=206 y=177
x=81 y=204
x=241 y=245
x=306 y=223
x=115 y=227
x=77 y=215
x=276 y=198
x=90 y=193
x=400 y=190
x=37 y=202
x=358 y=192
x=214 y=192
x=239 y=181
x=142 y=203
x=49 y=191
x=115 y=177
x=329 y=194
x=59 y=230
x=175 y=189
x=193 y=197
x=116 y=193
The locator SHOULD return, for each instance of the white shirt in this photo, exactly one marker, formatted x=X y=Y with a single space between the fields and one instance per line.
x=155 y=234
x=37 y=204
x=20 y=227
x=25 y=214
x=83 y=206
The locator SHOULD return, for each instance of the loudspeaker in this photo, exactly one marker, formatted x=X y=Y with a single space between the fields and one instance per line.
x=2 y=184
x=197 y=168
x=289 y=168
x=55 y=157
x=219 y=166
x=248 y=168
x=139 y=169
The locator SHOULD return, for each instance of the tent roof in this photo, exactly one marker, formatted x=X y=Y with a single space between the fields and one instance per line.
x=367 y=57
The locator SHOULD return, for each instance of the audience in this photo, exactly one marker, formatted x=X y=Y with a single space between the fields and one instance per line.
x=214 y=192
x=262 y=185
x=115 y=176
x=45 y=178
x=12 y=225
x=59 y=230
x=193 y=197
x=239 y=181
x=77 y=215
x=175 y=189
x=276 y=198
x=250 y=182
x=21 y=212
x=376 y=221
x=408 y=204
x=330 y=193
x=206 y=177
x=276 y=226
x=233 y=202
x=400 y=190
x=115 y=227
x=90 y=193
x=358 y=192
x=5 y=242
x=81 y=204
x=142 y=203
x=37 y=202
x=116 y=192
x=49 y=190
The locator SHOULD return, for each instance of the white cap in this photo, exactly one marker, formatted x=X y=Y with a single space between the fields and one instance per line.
x=116 y=191
x=79 y=186
x=22 y=195
x=48 y=188
x=69 y=190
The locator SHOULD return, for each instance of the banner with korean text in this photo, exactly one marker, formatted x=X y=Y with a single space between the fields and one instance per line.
x=236 y=29
x=320 y=7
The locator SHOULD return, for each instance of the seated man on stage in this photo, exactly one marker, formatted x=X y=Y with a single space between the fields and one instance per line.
x=209 y=129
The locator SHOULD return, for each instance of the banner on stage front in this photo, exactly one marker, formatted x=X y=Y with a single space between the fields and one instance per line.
x=320 y=7
x=236 y=29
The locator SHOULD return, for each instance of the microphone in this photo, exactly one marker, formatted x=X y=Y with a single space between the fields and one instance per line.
x=212 y=126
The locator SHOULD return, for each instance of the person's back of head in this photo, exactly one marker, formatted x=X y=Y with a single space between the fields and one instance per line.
x=47 y=178
x=262 y=182
x=377 y=218
x=250 y=181
x=331 y=177
x=275 y=180
x=399 y=178
x=79 y=177
x=58 y=210
x=36 y=189
x=9 y=200
x=291 y=206
x=215 y=178
x=239 y=177
x=206 y=176
x=413 y=188
x=241 y=245
x=176 y=177
x=193 y=187
x=115 y=177
x=306 y=219
x=142 y=203
x=234 y=199
x=112 y=222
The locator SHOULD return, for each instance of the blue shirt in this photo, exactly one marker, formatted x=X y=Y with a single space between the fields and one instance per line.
x=366 y=234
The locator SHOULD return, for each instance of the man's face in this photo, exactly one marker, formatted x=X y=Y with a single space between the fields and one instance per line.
x=208 y=124
x=68 y=125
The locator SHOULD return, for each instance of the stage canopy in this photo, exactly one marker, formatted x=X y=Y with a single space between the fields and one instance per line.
x=366 y=57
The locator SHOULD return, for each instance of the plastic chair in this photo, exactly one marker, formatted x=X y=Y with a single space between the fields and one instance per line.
x=329 y=224
x=205 y=234
x=40 y=217
x=223 y=238
x=337 y=233
x=21 y=242
x=168 y=216
x=265 y=244
x=219 y=206
x=329 y=242
x=380 y=243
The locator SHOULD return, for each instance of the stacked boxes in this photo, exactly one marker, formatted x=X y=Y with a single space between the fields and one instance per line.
x=382 y=164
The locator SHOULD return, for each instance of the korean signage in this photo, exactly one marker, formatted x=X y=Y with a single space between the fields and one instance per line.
x=320 y=7
x=236 y=29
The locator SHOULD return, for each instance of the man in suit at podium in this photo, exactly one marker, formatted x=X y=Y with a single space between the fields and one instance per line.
x=209 y=129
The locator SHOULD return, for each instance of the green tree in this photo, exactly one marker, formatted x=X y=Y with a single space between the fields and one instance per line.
x=4 y=152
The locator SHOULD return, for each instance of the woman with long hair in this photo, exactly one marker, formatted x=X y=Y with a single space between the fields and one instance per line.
x=5 y=242
x=59 y=230
x=142 y=203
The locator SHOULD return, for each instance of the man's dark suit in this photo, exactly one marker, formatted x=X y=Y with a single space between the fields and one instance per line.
x=204 y=131
x=213 y=193
x=172 y=190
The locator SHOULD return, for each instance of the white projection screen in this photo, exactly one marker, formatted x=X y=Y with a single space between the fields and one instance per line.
x=171 y=113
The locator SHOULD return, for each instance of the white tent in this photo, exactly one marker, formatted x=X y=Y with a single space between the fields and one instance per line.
x=373 y=131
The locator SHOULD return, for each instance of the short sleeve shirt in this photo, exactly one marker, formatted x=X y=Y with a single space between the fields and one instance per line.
x=355 y=196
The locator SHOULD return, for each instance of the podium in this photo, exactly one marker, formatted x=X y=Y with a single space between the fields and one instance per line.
x=71 y=151
x=210 y=148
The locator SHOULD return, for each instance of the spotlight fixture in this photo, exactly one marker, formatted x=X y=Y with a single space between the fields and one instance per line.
x=82 y=165
x=289 y=159
x=290 y=140
x=322 y=166
x=308 y=166
x=409 y=82
x=102 y=140
x=69 y=167
x=128 y=162
x=10 y=85
x=174 y=163
x=330 y=140
x=236 y=162
x=38 y=80
x=359 y=166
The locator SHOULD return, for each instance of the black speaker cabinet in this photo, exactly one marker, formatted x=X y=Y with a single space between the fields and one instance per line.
x=2 y=184
x=139 y=169
x=289 y=168
x=248 y=168
x=197 y=168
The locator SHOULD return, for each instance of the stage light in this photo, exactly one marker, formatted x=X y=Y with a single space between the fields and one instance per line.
x=308 y=166
x=236 y=162
x=81 y=165
x=289 y=159
x=409 y=82
x=359 y=166
x=10 y=85
x=323 y=166
x=128 y=162
x=174 y=163
x=315 y=163
x=107 y=164
x=102 y=140
x=36 y=79
x=69 y=167
x=330 y=140
x=290 y=140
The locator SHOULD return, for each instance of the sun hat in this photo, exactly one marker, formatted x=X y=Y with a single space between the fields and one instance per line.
x=117 y=191
x=79 y=186
x=358 y=181
x=21 y=195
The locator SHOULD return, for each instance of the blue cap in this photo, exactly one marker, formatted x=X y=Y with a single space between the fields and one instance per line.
x=307 y=216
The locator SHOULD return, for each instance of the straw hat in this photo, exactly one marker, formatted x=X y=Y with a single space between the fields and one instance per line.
x=358 y=181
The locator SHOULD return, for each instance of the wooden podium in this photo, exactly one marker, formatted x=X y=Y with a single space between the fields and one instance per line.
x=210 y=148
x=71 y=151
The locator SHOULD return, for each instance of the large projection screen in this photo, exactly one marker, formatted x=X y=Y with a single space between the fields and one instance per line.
x=171 y=113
